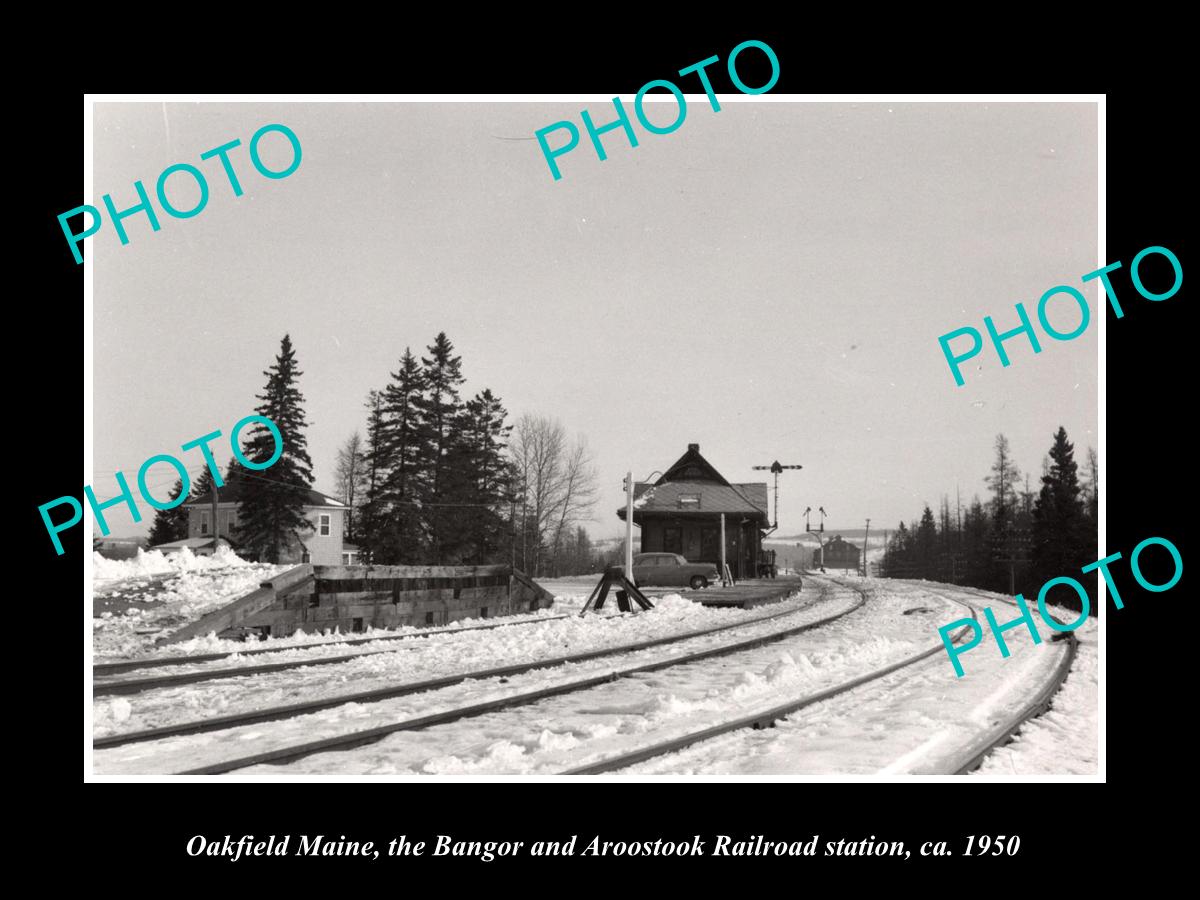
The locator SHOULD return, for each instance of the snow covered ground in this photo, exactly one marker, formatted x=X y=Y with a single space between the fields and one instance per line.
x=176 y=754
x=916 y=720
x=1066 y=738
x=401 y=662
x=155 y=594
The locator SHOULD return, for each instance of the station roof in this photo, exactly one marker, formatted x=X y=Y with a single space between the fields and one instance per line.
x=692 y=486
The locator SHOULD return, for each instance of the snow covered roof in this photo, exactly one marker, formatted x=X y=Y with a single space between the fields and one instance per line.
x=191 y=543
x=702 y=497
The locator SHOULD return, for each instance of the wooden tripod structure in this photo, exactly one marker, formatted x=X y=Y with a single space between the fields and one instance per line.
x=626 y=589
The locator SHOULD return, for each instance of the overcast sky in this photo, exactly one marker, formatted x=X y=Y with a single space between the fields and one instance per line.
x=768 y=281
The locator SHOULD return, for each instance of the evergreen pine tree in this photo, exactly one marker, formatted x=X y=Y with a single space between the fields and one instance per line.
x=481 y=454
x=900 y=562
x=271 y=519
x=439 y=410
x=1003 y=482
x=926 y=546
x=403 y=456
x=1093 y=487
x=170 y=524
x=1060 y=534
x=371 y=513
x=977 y=545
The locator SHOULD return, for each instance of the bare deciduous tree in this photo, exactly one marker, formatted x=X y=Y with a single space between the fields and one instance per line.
x=557 y=487
x=351 y=474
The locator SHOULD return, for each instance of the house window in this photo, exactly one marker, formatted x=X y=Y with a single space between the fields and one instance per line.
x=204 y=522
x=347 y=559
x=324 y=523
x=689 y=501
x=305 y=557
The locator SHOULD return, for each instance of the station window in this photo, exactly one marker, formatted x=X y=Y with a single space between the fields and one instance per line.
x=204 y=522
x=428 y=618
x=483 y=612
x=357 y=625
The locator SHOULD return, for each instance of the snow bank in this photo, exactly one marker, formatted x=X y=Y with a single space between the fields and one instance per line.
x=199 y=585
x=155 y=562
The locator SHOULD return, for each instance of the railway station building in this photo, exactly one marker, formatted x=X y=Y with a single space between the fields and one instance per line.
x=681 y=513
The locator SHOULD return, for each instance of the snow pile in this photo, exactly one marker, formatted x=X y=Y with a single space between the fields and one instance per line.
x=155 y=562
x=200 y=585
x=437 y=655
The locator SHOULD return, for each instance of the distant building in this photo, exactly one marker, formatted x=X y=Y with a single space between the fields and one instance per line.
x=838 y=554
x=118 y=548
x=681 y=513
x=199 y=546
x=323 y=545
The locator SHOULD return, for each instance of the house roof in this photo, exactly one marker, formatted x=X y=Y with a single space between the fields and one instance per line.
x=692 y=467
x=742 y=499
x=693 y=474
x=232 y=491
x=191 y=543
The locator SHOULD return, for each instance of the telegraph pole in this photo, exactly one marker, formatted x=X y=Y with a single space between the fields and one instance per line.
x=866 y=544
x=629 y=525
x=216 y=527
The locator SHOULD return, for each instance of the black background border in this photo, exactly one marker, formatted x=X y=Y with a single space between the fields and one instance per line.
x=1146 y=407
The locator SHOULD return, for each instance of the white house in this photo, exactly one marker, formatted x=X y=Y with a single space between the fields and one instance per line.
x=323 y=545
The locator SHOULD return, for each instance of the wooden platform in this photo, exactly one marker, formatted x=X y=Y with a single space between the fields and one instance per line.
x=743 y=595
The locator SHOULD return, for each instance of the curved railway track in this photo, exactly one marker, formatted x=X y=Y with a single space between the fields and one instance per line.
x=363 y=737
x=760 y=719
x=133 y=665
x=369 y=736
x=974 y=755
x=217 y=723
x=964 y=762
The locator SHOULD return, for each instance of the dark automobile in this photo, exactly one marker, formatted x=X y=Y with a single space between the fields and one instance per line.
x=671 y=569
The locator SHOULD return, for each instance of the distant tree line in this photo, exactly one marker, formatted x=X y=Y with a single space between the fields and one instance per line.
x=1019 y=539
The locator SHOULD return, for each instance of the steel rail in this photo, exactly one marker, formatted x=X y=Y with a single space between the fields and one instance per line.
x=761 y=719
x=217 y=723
x=964 y=763
x=370 y=736
x=116 y=668
x=973 y=757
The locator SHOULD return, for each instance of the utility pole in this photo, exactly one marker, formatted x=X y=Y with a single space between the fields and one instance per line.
x=216 y=527
x=866 y=544
x=724 y=565
x=629 y=525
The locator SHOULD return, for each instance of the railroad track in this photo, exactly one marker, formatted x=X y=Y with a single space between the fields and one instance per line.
x=217 y=723
x=967 y=760
x=116 y=668
x=363 y=737
x=974 y=755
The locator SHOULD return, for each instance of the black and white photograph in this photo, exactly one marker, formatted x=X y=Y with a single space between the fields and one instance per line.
x=445 y=437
